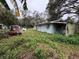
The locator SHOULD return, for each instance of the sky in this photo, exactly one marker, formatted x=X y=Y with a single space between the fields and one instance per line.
x=37 y=5
x=73 y=16
x=34 y=5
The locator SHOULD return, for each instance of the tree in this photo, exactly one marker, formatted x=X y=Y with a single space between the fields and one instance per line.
x=30 y=21
x=4 y=3
x=57 y=8
x=25 y=5
x=53 y=9
x=70 y=6
x=6 y=17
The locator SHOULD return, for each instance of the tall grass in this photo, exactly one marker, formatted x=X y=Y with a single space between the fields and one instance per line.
x=11 y=47
x=62 y=38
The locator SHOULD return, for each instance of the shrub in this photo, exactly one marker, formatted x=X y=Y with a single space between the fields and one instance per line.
x=3 y=35
x=38 y=53
x=68 y=40
x=17 y=43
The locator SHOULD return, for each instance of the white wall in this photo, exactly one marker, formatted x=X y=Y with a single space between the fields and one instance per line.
x=46 y=28
x=51 y=28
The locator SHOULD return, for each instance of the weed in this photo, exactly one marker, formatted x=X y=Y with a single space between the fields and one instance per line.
x=17 y=43
x=38 y=53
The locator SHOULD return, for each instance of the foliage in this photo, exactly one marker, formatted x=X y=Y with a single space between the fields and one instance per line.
x=68 y=40
x=4 y=3
x=17 y=43
x=53 y=9
x=42 y=44
x=69 y=20
x=38 y=53
x=25 y=5
x=3 y=34
x=6 y=17
x=31 y=21
x=58 y=8
x=27 y=22
x=10 y=50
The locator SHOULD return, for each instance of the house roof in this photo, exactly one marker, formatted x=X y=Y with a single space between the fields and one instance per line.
x=52 y=22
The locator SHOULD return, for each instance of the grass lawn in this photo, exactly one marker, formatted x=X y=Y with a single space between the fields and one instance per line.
x=37 y=45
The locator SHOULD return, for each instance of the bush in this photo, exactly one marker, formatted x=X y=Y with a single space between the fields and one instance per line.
x=7 y=18
x=38 y=53
x=68 y=40
x=3 y=35
x=17 y=43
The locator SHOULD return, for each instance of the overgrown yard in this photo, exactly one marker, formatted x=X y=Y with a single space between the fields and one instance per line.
x=37 y=45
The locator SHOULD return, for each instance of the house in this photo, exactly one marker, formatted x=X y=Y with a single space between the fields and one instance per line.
x=58 y=27
x=52 y=27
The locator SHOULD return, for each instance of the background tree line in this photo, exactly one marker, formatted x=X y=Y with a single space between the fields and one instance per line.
x=58 y=8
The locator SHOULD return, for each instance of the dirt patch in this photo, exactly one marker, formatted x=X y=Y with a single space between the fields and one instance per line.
x=73 y=56
x=27 y=55
x=48 y=53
